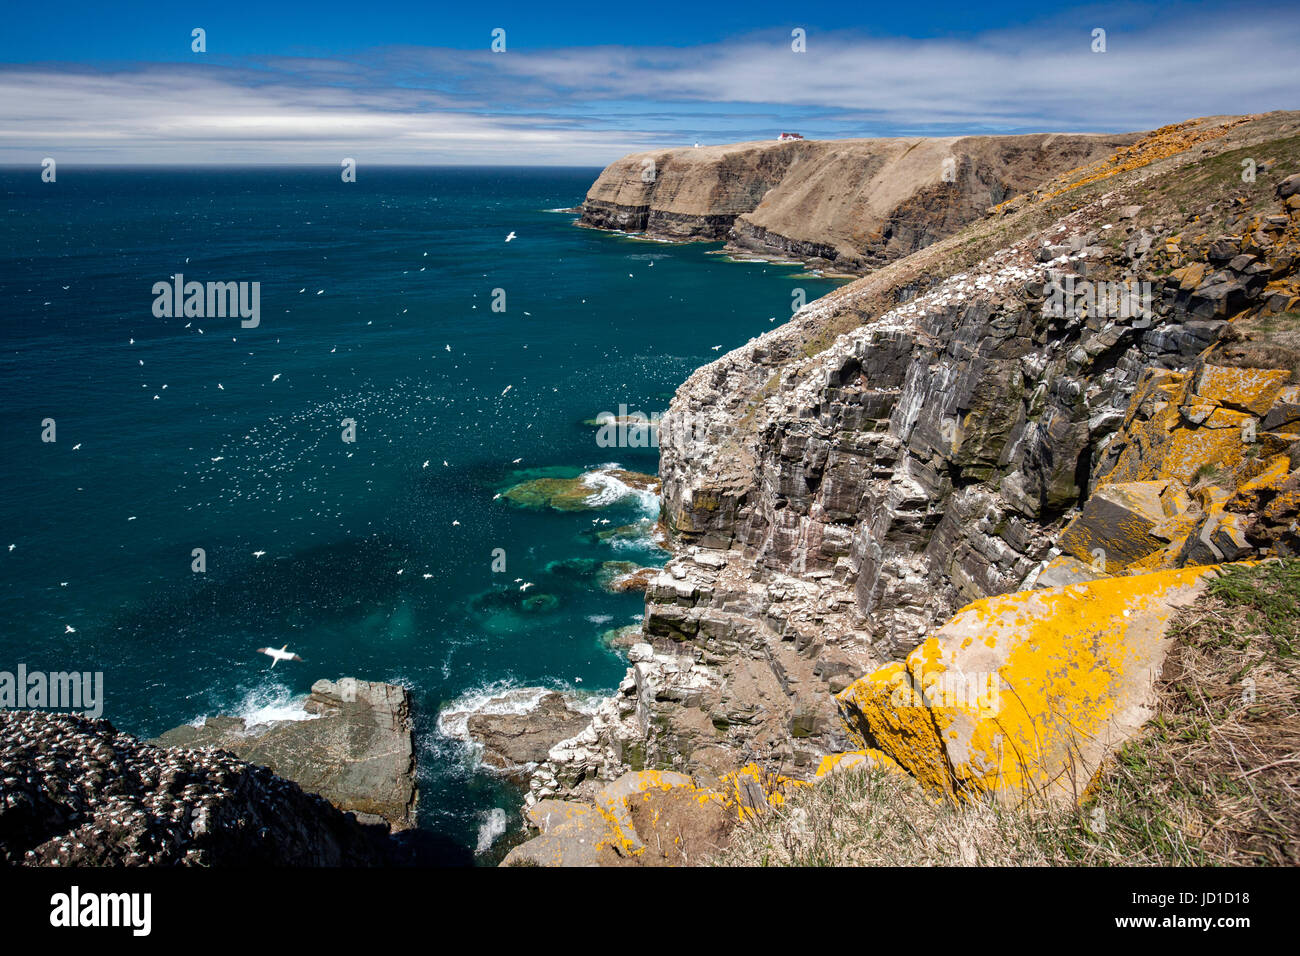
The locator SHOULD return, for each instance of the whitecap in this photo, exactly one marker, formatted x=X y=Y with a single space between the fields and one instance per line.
x=607 y=489
x=493 y=825
x=263 y=705
x=498 y=697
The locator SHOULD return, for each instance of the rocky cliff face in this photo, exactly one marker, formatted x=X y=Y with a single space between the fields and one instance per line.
x=685 y=193
x=853 y=205
x=979 y=418
x=75 y=792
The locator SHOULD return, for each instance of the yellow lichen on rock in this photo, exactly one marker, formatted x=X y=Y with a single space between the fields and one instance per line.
x=1158 y=144
x=1179 y=425
x=612 y=801
x=1249 y=389
x=648 y=817
x=572 y=834
x=1221 y=439
x=603 y=833
x=1023 y=694
x=752 y=789
x=855 y=760
x=1117 y=524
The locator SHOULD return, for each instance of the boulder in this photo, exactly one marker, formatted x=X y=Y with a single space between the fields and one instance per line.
x=1115 y=526
x=1221 y=536
x=1250 y=390
x=857 y=760
x=516 y=742
x=572 y=834
x=1021 y=697
x=644 y=818
x=1224 y=248
x=357 y=750
x=1065 y=569
x=1285 y=410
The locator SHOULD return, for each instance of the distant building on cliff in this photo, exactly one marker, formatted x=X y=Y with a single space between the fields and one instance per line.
x=789 y=136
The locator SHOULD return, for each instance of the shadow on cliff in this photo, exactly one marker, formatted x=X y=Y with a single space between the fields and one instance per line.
x=422 y=848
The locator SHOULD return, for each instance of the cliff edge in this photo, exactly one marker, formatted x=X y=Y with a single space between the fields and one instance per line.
x=356 y=749
x=850 y=205
x=941 y=520
x=75 y=792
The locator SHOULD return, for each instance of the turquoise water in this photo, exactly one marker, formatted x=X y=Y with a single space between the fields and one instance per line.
x=375 y=306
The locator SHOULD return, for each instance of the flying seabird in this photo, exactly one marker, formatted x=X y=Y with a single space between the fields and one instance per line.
x=276 y=656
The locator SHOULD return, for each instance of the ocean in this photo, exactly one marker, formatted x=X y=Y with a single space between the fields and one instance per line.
x=178 y=490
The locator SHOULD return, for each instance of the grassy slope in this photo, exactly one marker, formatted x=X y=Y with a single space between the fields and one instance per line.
x=1197 y=183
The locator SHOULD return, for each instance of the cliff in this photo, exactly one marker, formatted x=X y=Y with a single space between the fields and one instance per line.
x=75 y=792
x=357 y=750
x=852 y=205
x=1068 y=413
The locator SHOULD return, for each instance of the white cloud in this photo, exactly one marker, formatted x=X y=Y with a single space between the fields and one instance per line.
x=589 y=105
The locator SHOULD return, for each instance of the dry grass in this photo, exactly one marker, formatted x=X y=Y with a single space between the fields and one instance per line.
x=1214 y=778
x=874 y=818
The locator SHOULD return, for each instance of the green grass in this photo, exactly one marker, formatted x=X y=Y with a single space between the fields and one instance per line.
x=1269 y=598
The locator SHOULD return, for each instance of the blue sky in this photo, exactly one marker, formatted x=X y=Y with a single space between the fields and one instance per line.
x=582 y=83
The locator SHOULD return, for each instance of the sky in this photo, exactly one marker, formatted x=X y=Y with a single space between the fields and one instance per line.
x=583 y=83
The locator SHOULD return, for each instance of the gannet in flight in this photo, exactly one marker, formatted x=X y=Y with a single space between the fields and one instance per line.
x=281 y=655
x=509 y=237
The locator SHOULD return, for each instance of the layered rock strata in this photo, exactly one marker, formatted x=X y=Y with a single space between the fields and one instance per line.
x=1096 y=379
x=853 y=205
